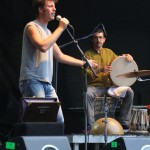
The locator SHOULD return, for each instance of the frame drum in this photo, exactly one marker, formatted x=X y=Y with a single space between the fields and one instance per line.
x=120 y=66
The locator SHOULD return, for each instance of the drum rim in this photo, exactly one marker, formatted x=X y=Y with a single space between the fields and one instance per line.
x=113 y=72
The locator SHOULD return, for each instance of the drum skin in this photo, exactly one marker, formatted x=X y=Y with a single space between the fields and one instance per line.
x=113 y=127
x=120 y=66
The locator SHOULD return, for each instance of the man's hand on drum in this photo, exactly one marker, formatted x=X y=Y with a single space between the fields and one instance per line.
x=107 y=69
x=128 y=56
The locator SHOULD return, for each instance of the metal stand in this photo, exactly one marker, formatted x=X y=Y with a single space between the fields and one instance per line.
x=141 y=80
x=105 y=121
x=85 y=105
x=85 y=80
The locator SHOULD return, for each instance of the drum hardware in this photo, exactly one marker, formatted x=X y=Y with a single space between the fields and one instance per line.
x=141 y=80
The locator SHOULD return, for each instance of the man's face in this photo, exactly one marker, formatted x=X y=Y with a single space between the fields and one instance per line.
x=48 y=10
x=98 y=40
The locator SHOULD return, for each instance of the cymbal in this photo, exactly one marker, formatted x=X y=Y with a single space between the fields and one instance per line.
x=134 y=74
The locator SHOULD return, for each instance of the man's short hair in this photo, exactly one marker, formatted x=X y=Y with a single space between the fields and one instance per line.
x=98 y=30
x=40 y=3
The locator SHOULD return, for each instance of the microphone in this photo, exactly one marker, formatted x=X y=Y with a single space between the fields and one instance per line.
x=58 y=17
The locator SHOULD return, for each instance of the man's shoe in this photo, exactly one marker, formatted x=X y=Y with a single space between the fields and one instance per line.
x=126 y=127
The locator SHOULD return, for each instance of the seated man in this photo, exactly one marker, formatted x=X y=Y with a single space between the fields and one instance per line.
x=98 y=86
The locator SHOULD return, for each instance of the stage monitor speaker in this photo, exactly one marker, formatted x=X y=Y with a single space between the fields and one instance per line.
x=37 y=143
x=129 y=143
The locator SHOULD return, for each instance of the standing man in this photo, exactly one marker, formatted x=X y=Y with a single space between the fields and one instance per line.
x=38 y=48
x=98 y=86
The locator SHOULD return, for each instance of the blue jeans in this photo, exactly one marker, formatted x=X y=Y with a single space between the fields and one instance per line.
x=32 y=87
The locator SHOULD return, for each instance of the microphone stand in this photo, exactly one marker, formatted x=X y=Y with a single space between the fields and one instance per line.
x=84 y=57
x=85 y=37
x=87 y=64
x=106 y=120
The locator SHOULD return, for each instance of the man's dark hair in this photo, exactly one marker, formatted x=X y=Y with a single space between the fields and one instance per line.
x=98 y=30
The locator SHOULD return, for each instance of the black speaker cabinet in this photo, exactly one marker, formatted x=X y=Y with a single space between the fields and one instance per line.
x=39 y=117
x=37 y=143
x=129 y=143
x=40 y=129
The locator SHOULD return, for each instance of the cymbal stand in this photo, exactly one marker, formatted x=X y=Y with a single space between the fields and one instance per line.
x=141 y=80
x=105 y=121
